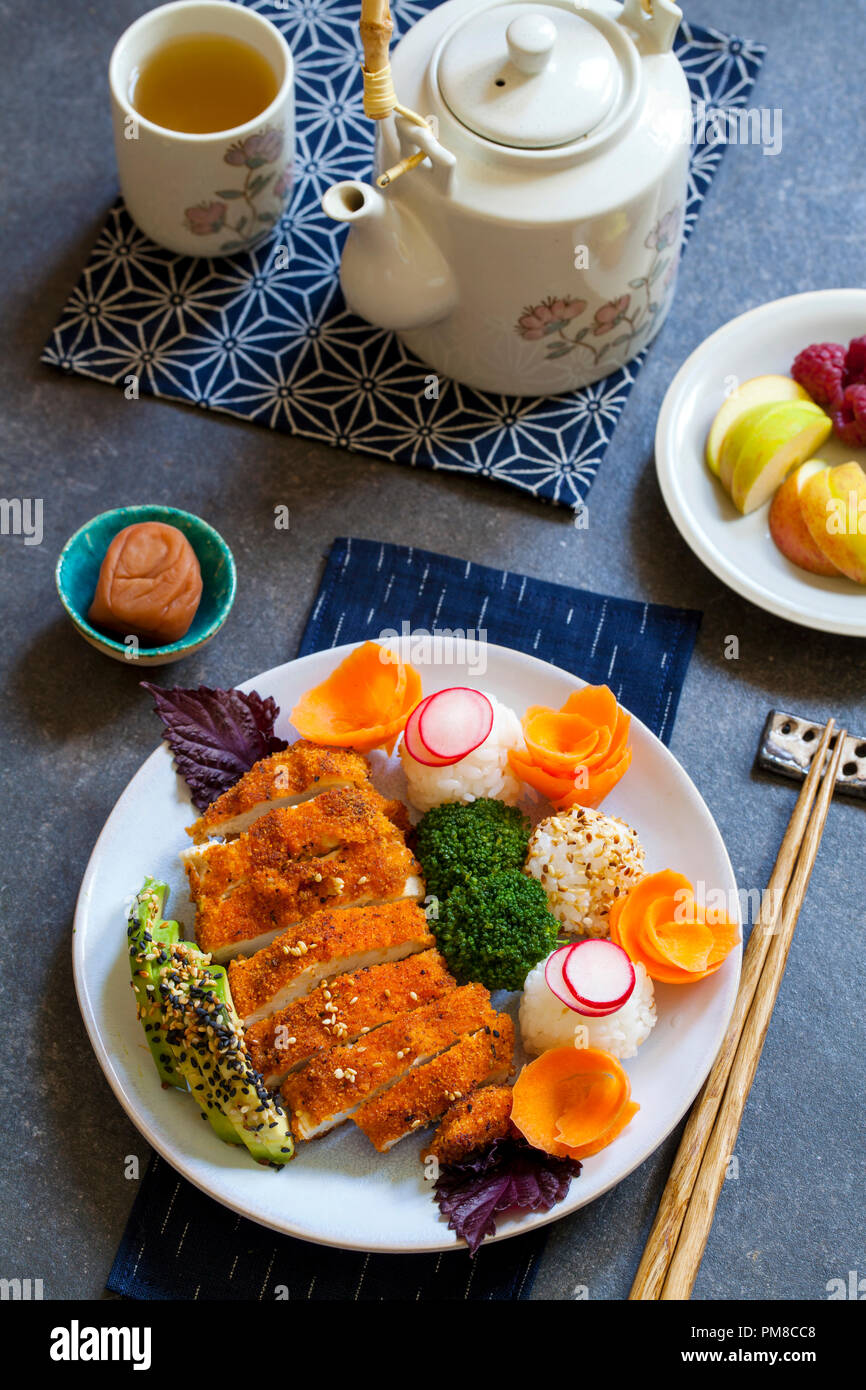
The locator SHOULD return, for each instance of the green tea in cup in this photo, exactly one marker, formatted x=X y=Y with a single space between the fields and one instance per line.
x=200 y=83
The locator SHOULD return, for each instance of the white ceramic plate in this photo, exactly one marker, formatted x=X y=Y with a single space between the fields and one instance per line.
x=739 y=549
x=339 y=1191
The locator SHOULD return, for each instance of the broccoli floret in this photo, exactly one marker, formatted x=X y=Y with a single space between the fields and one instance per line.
x=457 y=843
x=495 y=929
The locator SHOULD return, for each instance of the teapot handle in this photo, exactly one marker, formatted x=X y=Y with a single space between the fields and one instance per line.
x=376 y=27
x=653 y=23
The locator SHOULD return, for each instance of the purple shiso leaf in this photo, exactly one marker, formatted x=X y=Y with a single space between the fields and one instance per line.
x=215 y=735
x=508 y=1176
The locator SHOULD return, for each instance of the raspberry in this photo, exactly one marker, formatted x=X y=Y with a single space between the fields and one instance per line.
x=854 y=371
x=818 y=369
x=849 y=416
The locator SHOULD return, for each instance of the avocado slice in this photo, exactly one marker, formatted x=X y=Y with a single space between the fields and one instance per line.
x=194 y=1033
x=198 y=1081
x=151 y=942
x=150 y=939
x=207 y=1042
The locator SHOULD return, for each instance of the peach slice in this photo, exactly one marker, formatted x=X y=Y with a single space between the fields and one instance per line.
x=788 y=527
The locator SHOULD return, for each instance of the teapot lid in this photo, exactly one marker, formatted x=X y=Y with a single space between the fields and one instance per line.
x=529 y=76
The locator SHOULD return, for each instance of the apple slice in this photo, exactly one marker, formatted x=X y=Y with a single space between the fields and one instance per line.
x=759 y=390
x=765 y=444
x=743 y=429
x=788 y=526
x=754 y=425
x=833 y=503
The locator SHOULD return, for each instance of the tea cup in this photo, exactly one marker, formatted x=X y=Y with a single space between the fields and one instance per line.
x=212 y=194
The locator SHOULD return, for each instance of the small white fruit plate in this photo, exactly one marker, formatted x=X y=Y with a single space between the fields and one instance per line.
x=739 y=549
x=339 y=1191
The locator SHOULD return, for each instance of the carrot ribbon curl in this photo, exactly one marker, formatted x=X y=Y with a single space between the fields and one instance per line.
x=363 y=704
x=574 y=756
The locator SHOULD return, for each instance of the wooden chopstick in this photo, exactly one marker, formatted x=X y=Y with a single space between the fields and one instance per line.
x=711 y=1175
x=653 y=1268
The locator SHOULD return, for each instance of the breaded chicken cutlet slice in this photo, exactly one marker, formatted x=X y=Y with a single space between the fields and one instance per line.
x=284 y=779
x=340 y=817
x=423 y=1095
x=249 y=917
x=329 y=943
x=343 y=1009
x=334 y=1083
x=471 y=1124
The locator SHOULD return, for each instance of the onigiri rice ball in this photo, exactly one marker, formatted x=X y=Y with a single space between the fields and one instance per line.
x=546 y=1023
x=485 y=772
x=584 y=860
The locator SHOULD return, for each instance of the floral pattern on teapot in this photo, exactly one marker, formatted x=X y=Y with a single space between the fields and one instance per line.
x=555 y=318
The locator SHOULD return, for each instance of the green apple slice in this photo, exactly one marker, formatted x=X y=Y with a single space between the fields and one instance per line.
x=759 y=390
x=744 y=429
x=754 y=424
x=765 y=444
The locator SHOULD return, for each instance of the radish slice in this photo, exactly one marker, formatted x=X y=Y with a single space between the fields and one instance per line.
x=555 y=979
x=600 y=977
x=414 y=746
x=453 y=723
x=554 y=974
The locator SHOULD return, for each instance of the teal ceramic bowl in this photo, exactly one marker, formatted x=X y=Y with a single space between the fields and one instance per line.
x=78 y=568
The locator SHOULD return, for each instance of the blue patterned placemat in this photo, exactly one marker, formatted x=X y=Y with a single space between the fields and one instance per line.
x=275 y=344
x=178 y=1243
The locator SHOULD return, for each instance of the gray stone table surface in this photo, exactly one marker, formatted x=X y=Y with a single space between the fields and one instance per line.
x=76 y=727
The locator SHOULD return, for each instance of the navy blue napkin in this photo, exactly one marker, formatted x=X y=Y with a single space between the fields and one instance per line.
x=276 y=345
x=179 y=1243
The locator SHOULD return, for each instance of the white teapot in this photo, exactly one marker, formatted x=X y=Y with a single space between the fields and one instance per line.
x=535 y=247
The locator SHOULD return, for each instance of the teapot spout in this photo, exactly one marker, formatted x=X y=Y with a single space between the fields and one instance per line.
x=392 y=272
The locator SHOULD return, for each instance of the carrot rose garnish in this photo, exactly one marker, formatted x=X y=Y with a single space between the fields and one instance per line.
x=571 y=1102
x=363 y=704
x=660 y=925
x=575 y=755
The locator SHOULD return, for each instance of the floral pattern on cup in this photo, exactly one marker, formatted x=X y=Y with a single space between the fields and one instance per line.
x=539 y=320
x=665 y=232
x=555 y=318
x=610 y=315
x=239 y=210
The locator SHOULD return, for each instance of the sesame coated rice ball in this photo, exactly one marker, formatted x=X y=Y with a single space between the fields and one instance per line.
x=584 y=860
